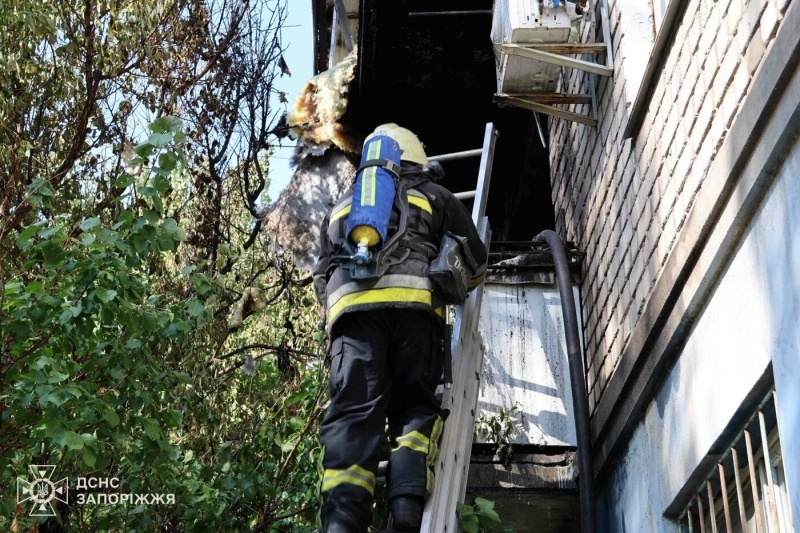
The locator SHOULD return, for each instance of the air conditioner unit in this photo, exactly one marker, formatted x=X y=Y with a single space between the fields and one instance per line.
x=529 y=22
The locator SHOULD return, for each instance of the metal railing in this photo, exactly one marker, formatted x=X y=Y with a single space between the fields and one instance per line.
x=745 y=492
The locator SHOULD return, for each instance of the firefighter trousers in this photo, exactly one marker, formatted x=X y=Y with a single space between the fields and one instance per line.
x=385 y=363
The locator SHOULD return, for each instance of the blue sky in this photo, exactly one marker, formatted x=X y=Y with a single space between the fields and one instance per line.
x=298 y=36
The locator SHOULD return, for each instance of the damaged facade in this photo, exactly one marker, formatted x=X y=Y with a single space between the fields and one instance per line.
x=678 y=194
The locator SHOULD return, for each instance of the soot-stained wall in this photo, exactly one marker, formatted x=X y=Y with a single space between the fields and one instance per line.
x=436 y=76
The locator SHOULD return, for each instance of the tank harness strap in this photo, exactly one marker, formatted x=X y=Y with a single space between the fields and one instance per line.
x=387 y=164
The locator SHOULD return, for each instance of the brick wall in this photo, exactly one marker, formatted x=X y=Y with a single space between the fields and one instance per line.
x=624 y=202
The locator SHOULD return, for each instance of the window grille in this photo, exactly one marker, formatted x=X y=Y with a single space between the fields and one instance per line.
x=737 y=503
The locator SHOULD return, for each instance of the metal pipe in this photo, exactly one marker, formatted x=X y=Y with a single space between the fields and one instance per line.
x=702 y=516
x=724 y=494
x=712 y=512
x=753 y=485
x=577 y=379
x=456 y=155
x=770 y=499
x=449 y=13
x=739 y=491
x=466 y=195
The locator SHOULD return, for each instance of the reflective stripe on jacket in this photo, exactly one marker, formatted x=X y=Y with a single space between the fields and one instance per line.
x=433 y=211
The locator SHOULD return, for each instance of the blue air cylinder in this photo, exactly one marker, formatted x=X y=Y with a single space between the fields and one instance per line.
x=373 y=196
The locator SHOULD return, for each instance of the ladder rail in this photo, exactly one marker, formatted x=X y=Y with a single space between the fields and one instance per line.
x=452 y=464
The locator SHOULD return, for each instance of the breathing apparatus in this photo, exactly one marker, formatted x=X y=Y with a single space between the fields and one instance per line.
x=377 y=190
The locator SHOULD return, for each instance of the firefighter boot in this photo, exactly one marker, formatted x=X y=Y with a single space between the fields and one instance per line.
x=406 y=512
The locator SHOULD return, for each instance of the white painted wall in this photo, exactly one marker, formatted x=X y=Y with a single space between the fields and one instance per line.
x=525 y=362
x=752 y=319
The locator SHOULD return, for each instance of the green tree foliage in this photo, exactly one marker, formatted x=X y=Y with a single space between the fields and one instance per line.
x=121 y=263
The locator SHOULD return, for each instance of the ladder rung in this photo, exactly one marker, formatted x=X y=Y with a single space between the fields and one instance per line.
x=456 y=155
x=466 y=195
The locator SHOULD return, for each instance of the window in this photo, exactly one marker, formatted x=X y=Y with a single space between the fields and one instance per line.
x=747 y=490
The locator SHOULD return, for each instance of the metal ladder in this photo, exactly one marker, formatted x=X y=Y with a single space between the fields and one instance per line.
x=452 y=463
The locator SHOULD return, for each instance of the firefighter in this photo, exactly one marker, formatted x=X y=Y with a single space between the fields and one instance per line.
x=387 y=347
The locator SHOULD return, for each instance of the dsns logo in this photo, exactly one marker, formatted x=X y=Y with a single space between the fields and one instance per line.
x=41 y=490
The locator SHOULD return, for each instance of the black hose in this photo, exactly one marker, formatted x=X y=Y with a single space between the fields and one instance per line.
x=577 y=379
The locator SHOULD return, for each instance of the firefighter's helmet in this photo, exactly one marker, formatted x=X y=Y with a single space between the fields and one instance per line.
x=412 y=148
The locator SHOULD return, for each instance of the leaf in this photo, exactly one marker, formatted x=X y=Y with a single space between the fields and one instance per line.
x=133 y=344
x=490 y=514
x=464 y=510
x=74 y=390
x=175 y=418
x=90 y=223
x=73 y=440
x=89 y=456
x=65 y=317
x=144 y=150
x=297 y=396
x=169 y=226
x=151 y=428
x=194 y=307
x=55 y=431
x=160 y=183
x=105 y=295
x=111 y=417
x=159 y=140
x=471 y=524
x=33 y=287
x=168 y=161
x=484 y=504
x=13 y=287
x=163 y=124
x=124 y=181
x=29 y=232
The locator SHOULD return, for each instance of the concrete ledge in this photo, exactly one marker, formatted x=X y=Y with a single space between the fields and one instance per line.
x=733 y=189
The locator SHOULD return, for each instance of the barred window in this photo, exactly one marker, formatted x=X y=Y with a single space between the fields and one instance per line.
x=747 y=490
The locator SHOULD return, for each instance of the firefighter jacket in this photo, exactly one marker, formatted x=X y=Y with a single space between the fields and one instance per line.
x=433 y=211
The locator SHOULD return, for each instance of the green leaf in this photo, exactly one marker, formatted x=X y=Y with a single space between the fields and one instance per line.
x=111 y=417
x=175 y=418
x=471 y=524
x=464 y=510
x=124 y=181
x=163 y=124
x=167 y=161
x=484 y=504
x=133 y=344
x=89 y=456
x=169 y=226
x=297 y=396
x=55 y=431
x=490 y=514
x=90 y=223
x=65 y=317
x=160 y=183
x=194 y=307
x=105 y=295
x=73 y=440
x=144 y=150
x=29 y=232
x=74 y=390
x=159 y=140
x=49 y=232
x=151 y=428
x=13 y=287
x=33 y=287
